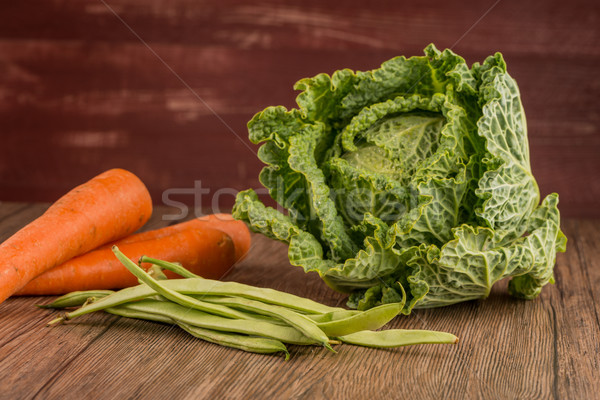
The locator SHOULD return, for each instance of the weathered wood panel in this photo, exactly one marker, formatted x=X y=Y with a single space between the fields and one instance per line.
x=79 y=92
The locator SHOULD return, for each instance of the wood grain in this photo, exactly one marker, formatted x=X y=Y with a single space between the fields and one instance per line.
x=509 y=349
x=79 y=92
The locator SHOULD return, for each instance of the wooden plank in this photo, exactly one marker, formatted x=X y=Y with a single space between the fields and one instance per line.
x=18 y=216
x=477 y=372
x=587 y=243
x=546 y=348
x=84 y=86
x=316 y=24
x=575 y=313
x=28 y=347
x=9 y=209
x=96 y=131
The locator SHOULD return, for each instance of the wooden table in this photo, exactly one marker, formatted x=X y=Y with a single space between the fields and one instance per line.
x=547 y=348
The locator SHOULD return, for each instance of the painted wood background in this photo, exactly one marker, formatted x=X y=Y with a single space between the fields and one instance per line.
x=165 y=87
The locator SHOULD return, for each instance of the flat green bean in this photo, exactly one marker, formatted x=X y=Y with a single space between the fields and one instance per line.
x=238 y=341
x=156 y=272
x=333 y=315
x=253 y=319
x=172 y=295
x=299 y=321
x=199 y=286
x=397 y=338
x=373 y=318
x=76 y=299
x=123 y=296
x=201 y=319
x=248 y=314
x=242 y=342
x=173 y=267
x=123 y=311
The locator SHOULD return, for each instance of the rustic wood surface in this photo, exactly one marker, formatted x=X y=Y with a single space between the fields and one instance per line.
x=80 y=92
x=509 y=349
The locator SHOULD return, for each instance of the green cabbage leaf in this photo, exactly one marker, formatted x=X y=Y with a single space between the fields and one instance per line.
x=411 y=181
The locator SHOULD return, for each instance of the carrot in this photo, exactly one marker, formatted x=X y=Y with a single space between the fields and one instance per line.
x=53 y=280
x=237 y=230
x=207 y=252
x=111 y=205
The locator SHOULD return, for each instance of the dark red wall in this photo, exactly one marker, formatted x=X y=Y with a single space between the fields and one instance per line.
x=80 y=93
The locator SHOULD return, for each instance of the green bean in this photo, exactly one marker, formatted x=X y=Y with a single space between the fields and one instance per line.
x=199 y=286
x=333 y=315
x=129 y=313
x=299 y=321
x=201 y=319
x=127 y=295
x=247 y=314
x=373 y=318
x=397 y=338
x=242 y=342
x=173 y=267
x=75 y=299
x=241 y=316
x=156 y=272
x=172 y=295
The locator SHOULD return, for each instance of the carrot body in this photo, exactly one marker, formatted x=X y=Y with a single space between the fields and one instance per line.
x=207 y=252
x=237 y=230
x=111 y=205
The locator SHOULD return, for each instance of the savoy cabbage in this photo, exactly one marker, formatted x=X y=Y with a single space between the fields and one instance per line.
x=409 y=183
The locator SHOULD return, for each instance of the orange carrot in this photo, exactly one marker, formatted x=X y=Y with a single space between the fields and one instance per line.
x=237 y=230
x=53 y=280
x=207 y=252
x=111 y=205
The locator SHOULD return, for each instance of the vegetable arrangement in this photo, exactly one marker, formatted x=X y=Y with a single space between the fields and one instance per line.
x=408 y=186
x=409 y=181
x=71 y=248
x=240 y=316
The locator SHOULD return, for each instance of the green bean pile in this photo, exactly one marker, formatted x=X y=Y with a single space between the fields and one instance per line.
x=249 y=318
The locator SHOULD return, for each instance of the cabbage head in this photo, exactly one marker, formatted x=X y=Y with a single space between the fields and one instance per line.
x=408 y=183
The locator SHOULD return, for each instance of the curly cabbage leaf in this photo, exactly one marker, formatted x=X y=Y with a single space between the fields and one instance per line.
x=411 y=181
